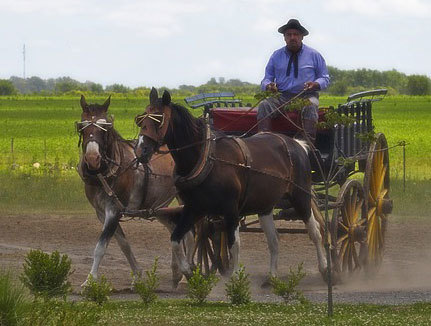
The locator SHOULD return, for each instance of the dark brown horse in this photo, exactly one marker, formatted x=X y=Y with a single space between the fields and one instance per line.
x=110 y=159
x=228 y=176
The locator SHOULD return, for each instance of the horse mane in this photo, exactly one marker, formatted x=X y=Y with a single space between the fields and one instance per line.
x=191 y=126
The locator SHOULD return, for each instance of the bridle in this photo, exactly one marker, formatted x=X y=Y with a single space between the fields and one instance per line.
x=102 y=124
x=156 y=131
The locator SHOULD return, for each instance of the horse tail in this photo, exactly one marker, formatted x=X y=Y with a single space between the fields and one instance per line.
x=303 y=144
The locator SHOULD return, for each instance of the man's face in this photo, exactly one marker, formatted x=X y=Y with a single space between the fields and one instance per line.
x=293 y=39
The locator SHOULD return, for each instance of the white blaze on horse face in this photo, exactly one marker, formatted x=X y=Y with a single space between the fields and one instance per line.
x=92 y=155
x=140 y=140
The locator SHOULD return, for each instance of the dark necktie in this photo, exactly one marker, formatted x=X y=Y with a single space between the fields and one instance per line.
x=293 y=58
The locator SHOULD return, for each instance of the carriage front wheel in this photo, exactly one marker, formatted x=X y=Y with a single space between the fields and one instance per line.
x=349 y=228
x=378 y=203
x=211 y=249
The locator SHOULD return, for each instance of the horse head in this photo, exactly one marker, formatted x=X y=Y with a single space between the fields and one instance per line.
x=93 y=129
x=153 y=125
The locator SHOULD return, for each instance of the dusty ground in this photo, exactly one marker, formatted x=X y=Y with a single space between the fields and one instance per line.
x=405 y=275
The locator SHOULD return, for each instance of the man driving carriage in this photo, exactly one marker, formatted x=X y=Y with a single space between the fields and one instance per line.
x=291 y=70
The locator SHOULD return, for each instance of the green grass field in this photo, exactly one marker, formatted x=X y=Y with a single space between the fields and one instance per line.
x=182 y=312
x=41 y=129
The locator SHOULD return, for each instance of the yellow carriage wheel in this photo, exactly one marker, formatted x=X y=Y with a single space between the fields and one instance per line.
x=211 y=249
x=348 y=228
x=378 y=203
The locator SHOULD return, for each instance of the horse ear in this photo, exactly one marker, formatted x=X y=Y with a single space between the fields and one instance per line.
x=166 y=98
x=84 y=104
x=106 y=104
x=154 y=96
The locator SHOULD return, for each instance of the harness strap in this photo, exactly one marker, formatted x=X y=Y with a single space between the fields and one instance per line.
x=110 y=192
x=286 y=147
x=203 y=167
x=247 y=164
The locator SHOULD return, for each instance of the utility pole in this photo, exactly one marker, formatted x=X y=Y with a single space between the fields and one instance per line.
x=23 y=58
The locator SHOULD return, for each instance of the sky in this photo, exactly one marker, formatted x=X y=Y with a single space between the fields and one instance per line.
x=170 y=43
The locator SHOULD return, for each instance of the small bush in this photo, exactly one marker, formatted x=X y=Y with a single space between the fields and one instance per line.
x=146 y=288
x=238 y=287
x=46 y=275
x=287 y=290
x=12 y=300
x=97 y=290
x=199 y=286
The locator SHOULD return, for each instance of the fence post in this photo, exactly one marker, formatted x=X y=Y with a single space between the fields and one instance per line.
x=404 y=166
x=11 y=150
x=44 y=151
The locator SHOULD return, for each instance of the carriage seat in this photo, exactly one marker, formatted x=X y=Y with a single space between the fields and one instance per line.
x=240 y=119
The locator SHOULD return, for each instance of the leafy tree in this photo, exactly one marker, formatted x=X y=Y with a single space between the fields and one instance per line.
x=338 y=88
x=93 y=87
x=418 y=85
x=118 y=88
x=6 y=87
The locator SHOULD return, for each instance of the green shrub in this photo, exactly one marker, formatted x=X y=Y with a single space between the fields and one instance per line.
x=12 y=299
x=46 y=275
x=287 y=290
x=199 y=286
x=238 y=287
x=97 y=290
x=146 y=287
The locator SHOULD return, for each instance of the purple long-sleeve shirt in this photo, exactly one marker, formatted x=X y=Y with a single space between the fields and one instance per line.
x=311 y=67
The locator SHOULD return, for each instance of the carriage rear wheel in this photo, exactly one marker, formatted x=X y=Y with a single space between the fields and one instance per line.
x=378 y=203
x=211 y=249
x=348 y=228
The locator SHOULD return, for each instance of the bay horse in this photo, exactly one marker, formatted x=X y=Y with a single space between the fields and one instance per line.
x=228 y=176
x=107 y=163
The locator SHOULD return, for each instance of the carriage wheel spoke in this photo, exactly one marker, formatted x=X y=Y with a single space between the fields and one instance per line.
x=341 y=239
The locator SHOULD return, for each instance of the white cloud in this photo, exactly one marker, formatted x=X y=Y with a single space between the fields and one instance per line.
x=419 y=8
x=154 y=18
x=45 y=7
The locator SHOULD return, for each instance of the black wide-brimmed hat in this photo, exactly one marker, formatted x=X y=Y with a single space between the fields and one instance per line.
x=293 y=24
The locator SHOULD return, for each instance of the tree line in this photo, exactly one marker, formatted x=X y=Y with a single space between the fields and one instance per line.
x=343 y=82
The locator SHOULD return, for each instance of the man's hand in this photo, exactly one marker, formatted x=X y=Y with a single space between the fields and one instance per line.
x=272 y=87
x=311 y=86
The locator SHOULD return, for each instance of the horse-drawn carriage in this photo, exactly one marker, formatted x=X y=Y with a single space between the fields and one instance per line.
x=215 y=176
x=359 y=210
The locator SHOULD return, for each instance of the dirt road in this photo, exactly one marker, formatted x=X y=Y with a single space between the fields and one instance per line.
x=405 y=275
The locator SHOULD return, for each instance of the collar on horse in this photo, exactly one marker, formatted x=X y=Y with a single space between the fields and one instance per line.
x=202 y=168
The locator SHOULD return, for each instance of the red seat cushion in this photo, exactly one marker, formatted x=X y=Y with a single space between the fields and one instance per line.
x=241 y=119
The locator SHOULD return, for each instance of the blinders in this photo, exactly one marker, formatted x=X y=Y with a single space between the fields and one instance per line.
x=154 y=125
x=101 y=124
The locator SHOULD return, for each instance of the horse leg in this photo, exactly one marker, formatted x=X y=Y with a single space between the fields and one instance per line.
x=124 y=245
x=184 y=226
x=316 y=237
x=187 y=247
x=267 y=224
x=109 y=227
x=233 y=240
